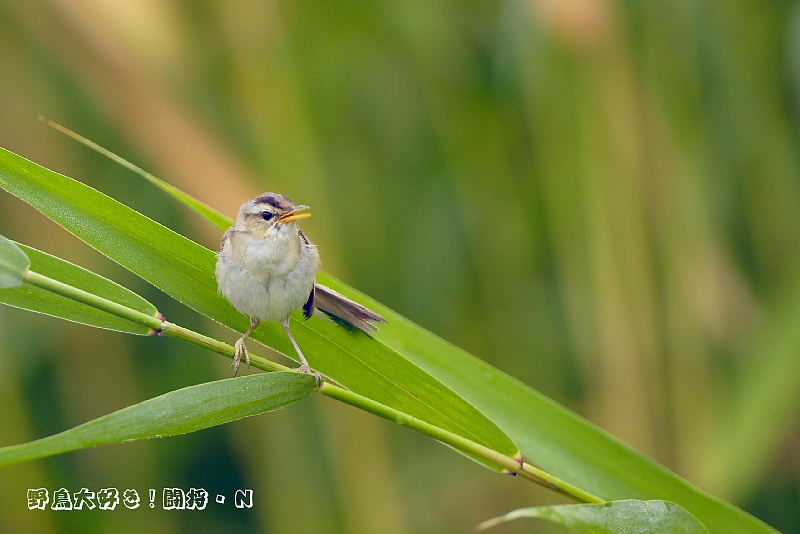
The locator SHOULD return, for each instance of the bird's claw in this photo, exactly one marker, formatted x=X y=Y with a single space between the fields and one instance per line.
x=241 y=350
x=306 y=369
x=319 y=378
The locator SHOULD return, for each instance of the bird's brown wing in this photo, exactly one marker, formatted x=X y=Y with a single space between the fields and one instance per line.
x=345 y=311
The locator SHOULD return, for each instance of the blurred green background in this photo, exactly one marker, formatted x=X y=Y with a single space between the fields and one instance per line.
x=600 y=197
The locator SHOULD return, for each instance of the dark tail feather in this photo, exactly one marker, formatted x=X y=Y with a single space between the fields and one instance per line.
x=343 y=310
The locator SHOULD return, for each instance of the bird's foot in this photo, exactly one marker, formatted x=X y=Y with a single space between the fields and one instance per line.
x=318 y=377
x=241 y=350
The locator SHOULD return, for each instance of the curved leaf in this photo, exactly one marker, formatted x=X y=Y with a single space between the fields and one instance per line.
x=216 y=218
x=177 y=412
x=554 y=438
x=549 y=435
x=13 y=264
x=616 y=517
x=36 y=299
x=185 y=270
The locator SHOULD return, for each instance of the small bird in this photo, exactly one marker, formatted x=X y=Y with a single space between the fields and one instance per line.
x=267 y=268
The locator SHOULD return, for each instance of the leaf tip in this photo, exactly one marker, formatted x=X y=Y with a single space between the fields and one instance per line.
x=14 y=264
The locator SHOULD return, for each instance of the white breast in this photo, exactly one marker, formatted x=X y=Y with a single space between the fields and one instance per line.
x=267 y=278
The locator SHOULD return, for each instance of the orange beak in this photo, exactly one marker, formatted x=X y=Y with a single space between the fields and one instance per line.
x=294 y=215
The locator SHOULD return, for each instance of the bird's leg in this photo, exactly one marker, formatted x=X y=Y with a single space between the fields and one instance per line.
x=304 y=367
x=241 y=348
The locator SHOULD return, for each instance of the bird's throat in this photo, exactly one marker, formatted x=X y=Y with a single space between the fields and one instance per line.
x=274 y=250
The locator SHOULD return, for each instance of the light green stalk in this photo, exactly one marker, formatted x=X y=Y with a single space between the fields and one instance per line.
x=160 y=326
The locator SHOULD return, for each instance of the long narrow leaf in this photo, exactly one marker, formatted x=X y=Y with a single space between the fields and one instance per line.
x=33 y=298
x=185 y=270
x=177 y=412
x=548 y=434
x=216 y=218
x=616 y=517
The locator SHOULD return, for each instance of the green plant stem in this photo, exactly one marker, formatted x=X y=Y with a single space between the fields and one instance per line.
x=220 y=347
x=120 y=310
x=156 y=324
x=510 y=464
x=159 y=325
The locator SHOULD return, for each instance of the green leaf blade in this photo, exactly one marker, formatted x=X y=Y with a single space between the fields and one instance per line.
x=615 y=517
x=215 y=217
x=178 y=412
x=13 y=264
x=185 y=270
x=548 y=434
x=35 y=299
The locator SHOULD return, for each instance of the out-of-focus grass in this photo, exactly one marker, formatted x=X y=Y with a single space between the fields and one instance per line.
x=601 y=198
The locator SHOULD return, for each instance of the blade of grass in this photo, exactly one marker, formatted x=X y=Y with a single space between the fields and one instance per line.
x=13 y=264
x=558 y=440
x=154 y=325
x=185 y=270
x=216 y=218
x=468 y=447
x=178 y=412
x=615 y=517
x=36 y=299
x=554 y=438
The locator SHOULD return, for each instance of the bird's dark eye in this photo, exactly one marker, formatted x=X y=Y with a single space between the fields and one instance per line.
x=267 y=215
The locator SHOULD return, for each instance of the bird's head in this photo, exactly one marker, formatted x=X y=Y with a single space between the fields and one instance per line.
x=270 y=214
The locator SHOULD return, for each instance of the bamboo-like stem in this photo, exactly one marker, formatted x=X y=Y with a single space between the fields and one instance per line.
x=96 y=301
x=510 y=464
x=220 y=347
x=159 y=325
x=156 y=324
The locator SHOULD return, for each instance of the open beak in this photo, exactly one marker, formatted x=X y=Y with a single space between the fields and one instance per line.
x=294 y=215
